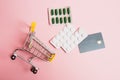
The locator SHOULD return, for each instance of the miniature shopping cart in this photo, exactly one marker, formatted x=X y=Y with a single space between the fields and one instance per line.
x=35 y=47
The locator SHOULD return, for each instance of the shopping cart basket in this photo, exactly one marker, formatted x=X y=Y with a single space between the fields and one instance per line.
x=35 y=47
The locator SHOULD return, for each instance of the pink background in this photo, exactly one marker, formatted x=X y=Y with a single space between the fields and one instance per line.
x=93 y=15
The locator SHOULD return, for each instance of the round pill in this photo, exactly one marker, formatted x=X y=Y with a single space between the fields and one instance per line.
x=64 y=11
x=52 y=12
x=68 y=10
x=57 y=37
x=56 y=12
x=65 y=20
x=76 y=34
x=82 y=35
x=75 y=42
x=79 y=38
x=65 y=29
x=60 y=11
x=58 y=44
x=68 y=34
x=54 y=41
x=72 y=29
x=53 y=20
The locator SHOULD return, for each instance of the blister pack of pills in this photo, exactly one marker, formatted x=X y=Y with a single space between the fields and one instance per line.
x=62 y=36
x=68 y=38
x=59 y=15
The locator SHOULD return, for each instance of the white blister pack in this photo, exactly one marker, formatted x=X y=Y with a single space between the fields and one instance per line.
x=62 y=36
x=74 y=40
x=68 y=38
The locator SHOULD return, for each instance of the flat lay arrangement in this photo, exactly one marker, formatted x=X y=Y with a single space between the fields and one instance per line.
x=59 y=39
x=67 y=39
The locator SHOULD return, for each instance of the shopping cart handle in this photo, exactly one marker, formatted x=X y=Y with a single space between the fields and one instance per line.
x=32 y=28
x=51 y=58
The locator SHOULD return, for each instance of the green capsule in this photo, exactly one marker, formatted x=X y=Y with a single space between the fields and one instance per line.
x=64 y=11
x=56 y=12
x=52 y=12
x=65 y=20
x=61 y=21
x=60 y=11
x=57 y=20
x=69 y=19
x=53 y=21
x=68 y=10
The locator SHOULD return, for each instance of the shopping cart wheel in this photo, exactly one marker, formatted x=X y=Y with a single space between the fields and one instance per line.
x=13 y=57
x=34 y=70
